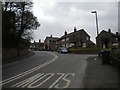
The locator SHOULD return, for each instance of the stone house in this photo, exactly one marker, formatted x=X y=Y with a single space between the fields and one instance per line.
x=107 y=39
x=75 y=39
x=50 y=43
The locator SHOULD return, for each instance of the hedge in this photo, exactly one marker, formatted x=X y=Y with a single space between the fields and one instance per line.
x=86 y=49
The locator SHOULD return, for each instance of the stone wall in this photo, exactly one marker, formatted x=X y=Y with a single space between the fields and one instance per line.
x=9 y=53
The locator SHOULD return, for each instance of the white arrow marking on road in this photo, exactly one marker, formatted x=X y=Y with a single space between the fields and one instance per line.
x=29 y=71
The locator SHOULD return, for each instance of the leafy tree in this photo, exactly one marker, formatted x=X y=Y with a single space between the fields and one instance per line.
x=18 y=22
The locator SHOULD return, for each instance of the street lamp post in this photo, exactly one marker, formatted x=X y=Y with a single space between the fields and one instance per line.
x=97 y=31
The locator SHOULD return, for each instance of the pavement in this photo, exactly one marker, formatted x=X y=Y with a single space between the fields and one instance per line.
x=98 y=75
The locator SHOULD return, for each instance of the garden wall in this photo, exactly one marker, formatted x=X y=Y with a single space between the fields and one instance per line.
x=9 y=53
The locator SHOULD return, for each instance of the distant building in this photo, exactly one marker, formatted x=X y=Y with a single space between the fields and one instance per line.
x=37 y=45
x=50 y=43
x=75 y=39
x=107 y=39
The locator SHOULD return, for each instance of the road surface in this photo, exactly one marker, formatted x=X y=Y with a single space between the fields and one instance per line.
x=46 y=70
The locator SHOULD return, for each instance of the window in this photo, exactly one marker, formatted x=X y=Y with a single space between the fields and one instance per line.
x=67 y=45
x=80 y=43
x=87 y=38
x=67 y=39
x=71 y=44
x=84 y=44
x=63 y=40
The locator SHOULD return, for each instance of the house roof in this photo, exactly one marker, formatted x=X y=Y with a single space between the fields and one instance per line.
x=52 y=38
x=107 y=33
x=91 y=42
x=74 y=33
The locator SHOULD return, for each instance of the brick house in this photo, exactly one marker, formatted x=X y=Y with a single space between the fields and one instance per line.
x=50 y=43
x=107 y=39
x=75 y=39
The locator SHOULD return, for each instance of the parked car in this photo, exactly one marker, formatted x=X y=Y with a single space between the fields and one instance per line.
x=62 y=50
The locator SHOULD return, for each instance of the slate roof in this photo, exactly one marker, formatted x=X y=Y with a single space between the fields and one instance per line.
x=73 y=33
x=107 y=33
x=52 y=38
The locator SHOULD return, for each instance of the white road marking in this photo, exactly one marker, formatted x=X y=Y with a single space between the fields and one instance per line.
x=65 y=79
x=27 y=81
x=62 y=74
x=41 y=78
x=29 y=71
x=31 y=85
x=95 y=59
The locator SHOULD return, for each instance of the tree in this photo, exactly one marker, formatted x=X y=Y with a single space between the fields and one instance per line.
x=8 y=29
x=19 y=20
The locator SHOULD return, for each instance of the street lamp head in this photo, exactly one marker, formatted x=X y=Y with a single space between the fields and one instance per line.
x=94 y=12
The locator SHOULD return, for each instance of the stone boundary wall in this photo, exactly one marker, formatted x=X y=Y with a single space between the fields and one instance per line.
x=12 y=53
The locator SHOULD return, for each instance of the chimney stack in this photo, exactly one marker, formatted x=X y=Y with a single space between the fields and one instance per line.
x=117 y=33
x=75 y=29
x=51 y=36
x=65 y=33
x=39 y=40
x=109 y=30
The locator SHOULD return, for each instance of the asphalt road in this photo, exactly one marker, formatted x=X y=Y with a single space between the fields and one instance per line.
x=46 y=70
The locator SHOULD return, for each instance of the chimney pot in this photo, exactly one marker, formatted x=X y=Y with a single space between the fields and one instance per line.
x=75 y=29
x=65 y=33
x=109 y=30
x=117 y=33
x=51 y=36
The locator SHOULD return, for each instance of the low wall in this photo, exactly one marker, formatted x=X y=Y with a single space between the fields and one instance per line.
x=9 y=53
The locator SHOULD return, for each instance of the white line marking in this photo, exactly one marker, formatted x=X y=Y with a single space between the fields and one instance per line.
x=27 y=81
x=62 y=74
x=29 y=71
x=41 y=78
x=65 y=79
x=31 y=85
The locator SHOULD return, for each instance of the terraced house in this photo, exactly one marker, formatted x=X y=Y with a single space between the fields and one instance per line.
x=107 y=39
x=76 y=39
x=50 y=43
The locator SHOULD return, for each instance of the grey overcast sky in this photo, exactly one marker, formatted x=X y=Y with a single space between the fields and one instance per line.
x=57 y=17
